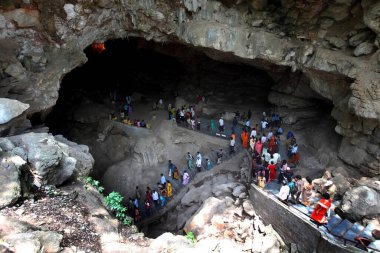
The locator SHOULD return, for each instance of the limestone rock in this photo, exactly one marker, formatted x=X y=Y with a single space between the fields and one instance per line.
x=371 y=14
x=49 y=159
x=16 y=70
x=12 y=226
x=238 y=190
x=23 y=243
x=196 y=195
x=10 y=108
x=359 y=38
x=336 y=41
x=84 y=160
x=364 y=49
x=248 y=208
x=24 y=17
x=360 y=202
x=6 y=145
x=270 y=244
x=10 y=191
x=168 y=242
x=203 y=216
x=288 y=100
x=50 y=240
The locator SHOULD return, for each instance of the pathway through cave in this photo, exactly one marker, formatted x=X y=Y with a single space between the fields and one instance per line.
x=126 y=157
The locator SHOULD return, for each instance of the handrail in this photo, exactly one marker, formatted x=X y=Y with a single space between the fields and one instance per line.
x=324 y=225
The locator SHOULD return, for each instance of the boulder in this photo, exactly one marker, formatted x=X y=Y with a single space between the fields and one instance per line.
x=196 y=195
x=168 y=242
x=48 y=158
x=203 y=216
x=248 y=208
x=12 y=226
x=50 y=240
x=10 y=190
x=359 y=38
x=336 y=41
x=84 y=160
x=270 y=244
x=238 y=190
x=10 y=108
x=364 y=49
x=361 y=202
x=23 y=243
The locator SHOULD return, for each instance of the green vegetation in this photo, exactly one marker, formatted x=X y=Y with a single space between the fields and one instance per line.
x=191 y=237
x=114 y=203
x=95 y=184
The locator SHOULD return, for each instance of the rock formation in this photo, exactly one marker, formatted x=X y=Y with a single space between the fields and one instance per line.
x=332 y=46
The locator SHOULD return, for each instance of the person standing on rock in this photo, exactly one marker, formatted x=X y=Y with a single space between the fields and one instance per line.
x=198 y=163
x=221 y=125
x=189 y=159
x=208 y=164
x=186 y=178
x=244 y=139
x=219 y=155
x=155 y=198
x=212 y=126
x=163 y=179
x=169 y=189
x=171 y=168
x=232 y=146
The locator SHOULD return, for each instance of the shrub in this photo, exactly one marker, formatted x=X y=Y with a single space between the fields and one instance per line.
x=191 y=237
x=95 y=184
x=114 y=203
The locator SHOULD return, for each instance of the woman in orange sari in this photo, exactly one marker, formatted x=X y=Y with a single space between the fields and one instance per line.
x=319 y=213
x=272 y=145
x=244 y=139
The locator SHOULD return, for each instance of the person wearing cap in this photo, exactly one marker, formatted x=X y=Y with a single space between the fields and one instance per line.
x=330 y=188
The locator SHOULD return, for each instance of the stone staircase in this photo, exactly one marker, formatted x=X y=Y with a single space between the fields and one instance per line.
x=179 y=190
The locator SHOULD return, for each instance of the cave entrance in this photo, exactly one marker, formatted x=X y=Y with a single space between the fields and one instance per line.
x=148 y=71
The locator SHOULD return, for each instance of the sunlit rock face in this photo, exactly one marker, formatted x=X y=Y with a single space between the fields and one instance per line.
x=333 y=46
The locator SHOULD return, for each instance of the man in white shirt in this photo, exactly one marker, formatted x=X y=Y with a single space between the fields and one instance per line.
x=263 y=125
x=284 y=191
x=232 y=146
x=163 y=179
x=263 y=139
x=221 y=124
x=198 y=163
x=253 y=133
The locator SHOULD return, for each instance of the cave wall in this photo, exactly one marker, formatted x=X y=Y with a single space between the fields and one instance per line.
x=334 y=44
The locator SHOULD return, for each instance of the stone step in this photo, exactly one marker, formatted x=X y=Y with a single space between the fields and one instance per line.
x=367 y=232
x=333 y=222
x=342 y=228
x=353 y=232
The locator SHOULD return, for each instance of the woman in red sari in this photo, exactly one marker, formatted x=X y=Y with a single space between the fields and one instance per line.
x=272 y=171
x=319 y=213
x=244 y=139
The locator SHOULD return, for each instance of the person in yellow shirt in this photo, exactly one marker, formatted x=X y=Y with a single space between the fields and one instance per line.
x=169 y=189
